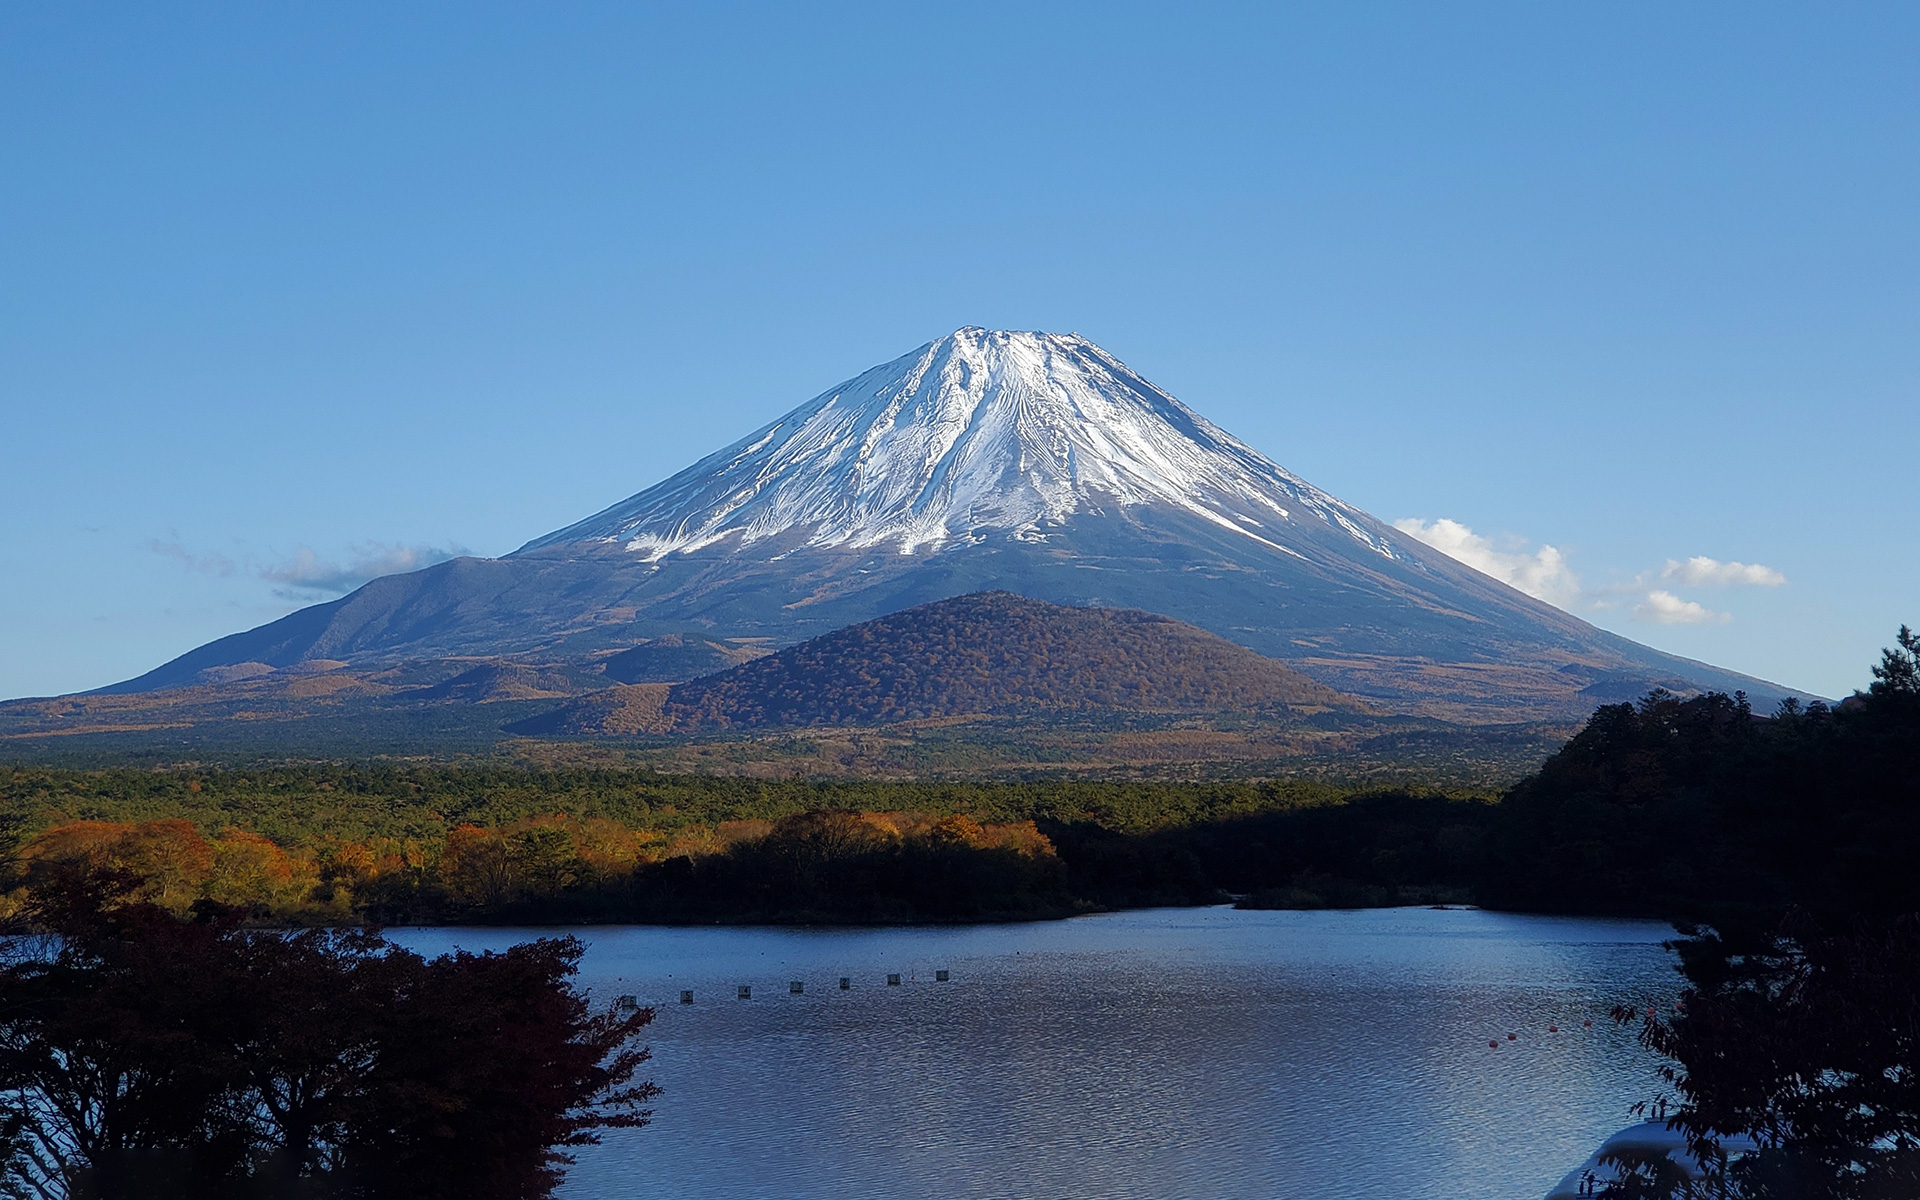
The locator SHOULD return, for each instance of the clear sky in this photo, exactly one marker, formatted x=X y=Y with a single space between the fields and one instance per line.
x=292 y=293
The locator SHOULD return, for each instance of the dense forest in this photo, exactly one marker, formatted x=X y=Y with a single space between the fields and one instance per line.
x=344 y=843
x=1700 y=810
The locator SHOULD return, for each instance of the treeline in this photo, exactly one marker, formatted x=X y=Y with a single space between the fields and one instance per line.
x=814 y=866
x=1367 y=851
x=306 y=803
x=335 y=843
x=1699 y=809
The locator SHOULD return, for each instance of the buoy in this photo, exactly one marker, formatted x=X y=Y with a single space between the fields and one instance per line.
x=1493 y=1045
x=1553 y=1029
x=1513 y=1037
x=1589 y=1024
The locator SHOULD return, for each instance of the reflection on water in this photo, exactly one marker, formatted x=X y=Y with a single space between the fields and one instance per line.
x=1201 y=1053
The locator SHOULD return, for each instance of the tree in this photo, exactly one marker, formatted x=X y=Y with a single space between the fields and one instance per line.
x=1899 y=671
x=142 y=1055
x=1800 y=1023
x=106 y=1087
x=490 y=1066
x=1809 y=1043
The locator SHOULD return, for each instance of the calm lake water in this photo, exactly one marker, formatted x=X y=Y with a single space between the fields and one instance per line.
x=1175 y=1053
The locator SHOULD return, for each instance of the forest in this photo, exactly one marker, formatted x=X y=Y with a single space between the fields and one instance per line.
x=342 y=843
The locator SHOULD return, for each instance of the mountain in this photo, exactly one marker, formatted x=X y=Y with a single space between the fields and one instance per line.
x=989 y=654
x=1031 y=463
x=973 y=439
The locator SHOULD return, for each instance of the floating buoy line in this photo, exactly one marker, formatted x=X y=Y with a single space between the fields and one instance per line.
x=628 y=1003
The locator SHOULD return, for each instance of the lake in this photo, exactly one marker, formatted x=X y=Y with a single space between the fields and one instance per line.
x=1172 y=1053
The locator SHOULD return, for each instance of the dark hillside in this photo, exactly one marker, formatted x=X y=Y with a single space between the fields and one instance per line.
x=995 y=652
x=1699 y=809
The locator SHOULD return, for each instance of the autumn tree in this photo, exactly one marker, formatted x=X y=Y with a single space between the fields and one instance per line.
x=143 y=1055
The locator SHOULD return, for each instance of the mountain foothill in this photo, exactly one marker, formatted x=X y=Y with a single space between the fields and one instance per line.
x=987 y=654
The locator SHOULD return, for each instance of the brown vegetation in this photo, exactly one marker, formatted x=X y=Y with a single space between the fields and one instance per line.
x=994 y=652
x=173 y=864
x=591 y=866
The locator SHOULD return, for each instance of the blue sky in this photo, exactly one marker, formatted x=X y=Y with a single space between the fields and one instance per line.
x=290 y=294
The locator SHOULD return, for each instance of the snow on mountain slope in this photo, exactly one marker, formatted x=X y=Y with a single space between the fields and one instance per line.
x=1030 y=463
x=981 y=431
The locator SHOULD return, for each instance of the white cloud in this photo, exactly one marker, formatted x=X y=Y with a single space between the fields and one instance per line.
x=201 y=564
x=1701 y=571
x=307 y=571
x=1664 y=608
x=1543 y=574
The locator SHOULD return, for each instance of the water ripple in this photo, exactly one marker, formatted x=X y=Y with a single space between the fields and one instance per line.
x=1208 y=1053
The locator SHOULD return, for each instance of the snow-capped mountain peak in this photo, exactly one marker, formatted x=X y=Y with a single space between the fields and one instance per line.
x=978 y=434
x=1029 y=463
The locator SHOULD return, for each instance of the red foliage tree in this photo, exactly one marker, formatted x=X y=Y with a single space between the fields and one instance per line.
x=146 y=1056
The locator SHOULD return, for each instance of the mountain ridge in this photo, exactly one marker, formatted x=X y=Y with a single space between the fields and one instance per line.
x=1031 y=463
x=990 y=430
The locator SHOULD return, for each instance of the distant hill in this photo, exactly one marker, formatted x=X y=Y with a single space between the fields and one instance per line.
x=991 y=653
x=674 y=656
x=983 y=685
